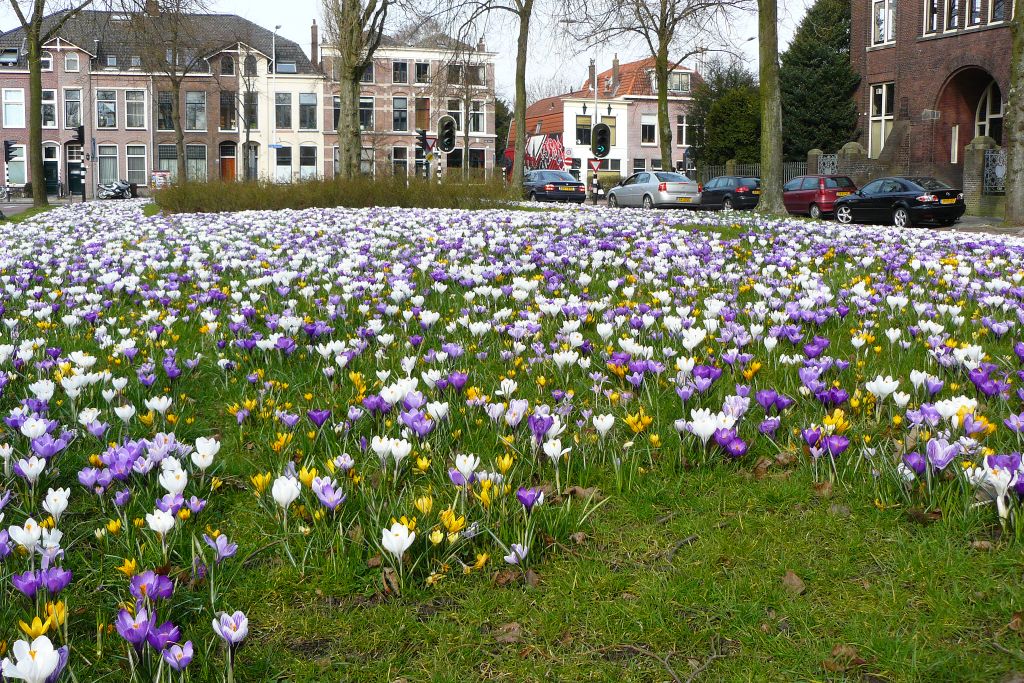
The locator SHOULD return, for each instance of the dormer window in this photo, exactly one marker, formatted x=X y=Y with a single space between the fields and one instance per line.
x=679 y=82
x=136 y=62
x=8 y=57
x=46 y=61
x=71 y=62
x=287 y=67
x=112 y=61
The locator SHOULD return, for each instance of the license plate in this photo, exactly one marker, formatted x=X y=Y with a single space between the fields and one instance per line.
x=757 y=191
x=949 y=201
x=567 y=188
x=842 y=194
x=684 y=200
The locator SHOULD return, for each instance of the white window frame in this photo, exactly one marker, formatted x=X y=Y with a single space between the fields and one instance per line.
x=940 y=17
x=395 y=109
x=305 y=174
x=888 y=8
x=100 y=157
x=68 y=58
x=104 y=90
x=18 y=101
x=404 y=160
x=1007 y=11
x=477 y=117
x=680 y=74
x=206 y=112
x=143 y=180
x=67 y=124
x=51 y=102
x=408 y=76
x=316 y=112
x=206 y=163
x=649 y=120
x=46 y=60
x=954 y=144
x=19 y=158
x=681 y=139
x=128 y=106
x=948 y=13
x=283 y=173
x=161 y=161
x=373 y=110
x=884 y=117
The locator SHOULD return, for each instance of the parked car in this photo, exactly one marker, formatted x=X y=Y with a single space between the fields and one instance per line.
x=650 y=189
x=553 y=186
x=731 y=192
x=815 y=195
x=902 y=201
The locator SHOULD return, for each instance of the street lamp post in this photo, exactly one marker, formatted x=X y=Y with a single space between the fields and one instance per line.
x=273 y=82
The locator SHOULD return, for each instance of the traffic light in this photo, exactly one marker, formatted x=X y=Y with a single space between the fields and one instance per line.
x=601 y=140
x=79 y=138
x=421 y=140
x=446 y=130
x=8 y=151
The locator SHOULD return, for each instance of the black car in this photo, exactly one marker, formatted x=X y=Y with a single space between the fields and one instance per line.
x=902 y=201
x=731 y=192
x=553 y=186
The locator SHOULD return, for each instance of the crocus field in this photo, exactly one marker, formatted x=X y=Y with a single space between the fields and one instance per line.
x=395 y=444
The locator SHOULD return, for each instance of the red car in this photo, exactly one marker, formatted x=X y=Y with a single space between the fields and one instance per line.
x=815 y=195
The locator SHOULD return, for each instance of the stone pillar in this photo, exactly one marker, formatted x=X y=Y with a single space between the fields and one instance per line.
x=974 y=174
x=813 y=159
x=730 y=167
x=853 y=162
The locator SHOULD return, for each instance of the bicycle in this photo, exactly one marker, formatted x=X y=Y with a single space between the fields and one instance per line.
x=5 y=193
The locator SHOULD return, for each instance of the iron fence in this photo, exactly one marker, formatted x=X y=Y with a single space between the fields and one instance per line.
x=828 y=164
x=994 y=178
x=790 y=170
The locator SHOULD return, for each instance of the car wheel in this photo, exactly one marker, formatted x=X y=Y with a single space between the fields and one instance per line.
x=901 y=218
x=727 y=203
x=844 y=215
x=533 y=196
x=648 y=202
x=815 y=212
x=613 y=201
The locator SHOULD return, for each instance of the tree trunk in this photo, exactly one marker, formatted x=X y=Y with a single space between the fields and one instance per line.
x=179 y=133
x=349 y=144
x=519 y=160
x=664 y=124
x=1013 y=132
x=34 y=157
x=771 y=109
x=466 y=104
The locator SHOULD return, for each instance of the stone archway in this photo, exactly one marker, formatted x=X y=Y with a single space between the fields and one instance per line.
x=969 y=104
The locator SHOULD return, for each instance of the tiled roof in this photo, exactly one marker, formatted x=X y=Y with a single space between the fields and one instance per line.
x=635 y=79
x=107 y=33
x=546 y=112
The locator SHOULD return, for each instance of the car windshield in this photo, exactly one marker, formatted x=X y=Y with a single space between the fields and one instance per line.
x=560 y=176
x=930 y=183
x=839 y=182
x=672 y=177
x=750 y=182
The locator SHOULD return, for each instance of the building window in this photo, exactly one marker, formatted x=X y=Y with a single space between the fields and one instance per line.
x=108 y=163
x=14 y=108
x=71 y=62
x=49 y=108
x=46 y=61
x=112 y=61
x=952 y=15
x=455 y=111
x=400 y=114
x=252 y=110
x=399 y=72
x=228 y=109
x=106 y=109
x=136 y=62
x=476 y=117
x=679 y=82
x=639 y=165
x=287 y=67
x=195 y=163
x=165 y=111
x=932 y=16
x=227 y=66
x=883 y=98
x=307 y=111
x=583 y=126
x=954 y=144
x=974 y=13
x=283 y=110
x=367 y=75
x=307 y=162
x=421 y=162
x=681 y=130
x=283 y=164
x=136 y=164
x=648 y=129
x=884 y=17
x=337 y=112
x=249 y=65
x=400 y=161
x=365 y=113
x=72 y=108
x=990 y=114
x=167 y=159
x=477 y=158
x=610 y=122
x=656 y=164
x=16 y=166
x=135 y=108
x=998 y=11
x=423 y=113
x=422 y=72
x=195 y=113
x=367 y=163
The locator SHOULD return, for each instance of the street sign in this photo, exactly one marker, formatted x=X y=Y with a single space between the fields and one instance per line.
x=430 y=144
x=595 y=164
x=275 y=146
x=430 y=156
x=567 y=162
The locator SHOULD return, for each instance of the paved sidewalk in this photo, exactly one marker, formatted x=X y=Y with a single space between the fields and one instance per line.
x=10 y=209
x=984 y=224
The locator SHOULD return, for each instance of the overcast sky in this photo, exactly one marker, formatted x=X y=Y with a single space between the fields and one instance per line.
x=553 y=59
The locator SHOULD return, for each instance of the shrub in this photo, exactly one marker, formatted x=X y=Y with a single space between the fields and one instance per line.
x=219 y=196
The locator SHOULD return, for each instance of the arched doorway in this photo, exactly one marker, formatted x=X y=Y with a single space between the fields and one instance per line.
x=989 y=118
x=51 y=167
x=227 y=160
x=969 y=104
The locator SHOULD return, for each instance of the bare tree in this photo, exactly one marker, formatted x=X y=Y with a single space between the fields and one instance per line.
x=550 y=87
x=1014 y=130
x=173 y=42
x=42 y=21
x=355 y=29
x=672 y=30
x=771 y=108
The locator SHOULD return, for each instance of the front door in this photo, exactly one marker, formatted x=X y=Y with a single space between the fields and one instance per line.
x=51 y=169
x=74 y=169
x=227 y=161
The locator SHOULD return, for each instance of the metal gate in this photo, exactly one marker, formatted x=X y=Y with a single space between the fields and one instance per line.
x=994 y=181
x=828 y=164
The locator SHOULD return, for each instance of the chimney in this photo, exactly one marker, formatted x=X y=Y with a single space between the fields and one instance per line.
x=615 y=71
x=314 y=45
x=480 y=47
x=593 y=76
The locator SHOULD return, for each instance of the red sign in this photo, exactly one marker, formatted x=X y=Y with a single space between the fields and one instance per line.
x=568 y=162
x=595 y=164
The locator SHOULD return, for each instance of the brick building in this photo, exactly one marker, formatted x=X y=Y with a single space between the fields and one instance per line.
x=934 y=75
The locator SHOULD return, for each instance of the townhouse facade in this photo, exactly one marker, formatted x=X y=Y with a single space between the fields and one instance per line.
x=257 y=106
x=934 y=76
x=558 y=128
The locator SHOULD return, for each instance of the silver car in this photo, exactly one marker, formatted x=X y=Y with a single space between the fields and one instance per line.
x=651 y=189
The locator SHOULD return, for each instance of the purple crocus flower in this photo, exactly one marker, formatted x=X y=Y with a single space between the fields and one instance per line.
x=318 y=417
x=178 y=656
x=221 y=546
x=133 y=629
x=835 y=444
x=233 y=628
x=152 y=586
x=916 y=462
x=163 y=635
x=769 y=425
x=327 y=492
x=62 y=662
x=940 y=453
x=529 y=497
x=27 y=583
x=736 y=448
x=517 y=553
x=55 y=579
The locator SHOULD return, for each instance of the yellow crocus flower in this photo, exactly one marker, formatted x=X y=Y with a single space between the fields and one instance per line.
x=36 y=628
